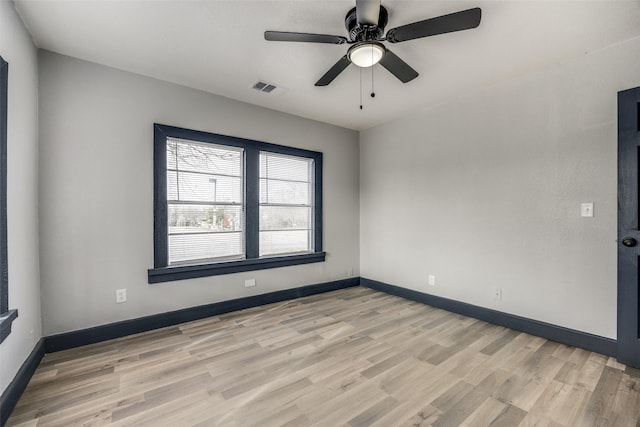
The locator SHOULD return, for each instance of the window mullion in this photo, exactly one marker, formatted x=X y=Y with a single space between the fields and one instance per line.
x=161 y=207
x=252 y=202
x=317 y=203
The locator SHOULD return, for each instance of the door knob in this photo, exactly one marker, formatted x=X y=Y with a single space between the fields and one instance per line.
x=629 y=242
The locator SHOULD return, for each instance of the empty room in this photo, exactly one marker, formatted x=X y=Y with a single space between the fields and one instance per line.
x=319 y=213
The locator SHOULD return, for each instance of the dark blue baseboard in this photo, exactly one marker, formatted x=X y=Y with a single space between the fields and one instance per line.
x=556 y=333
x=14 y=390
x=143 y=324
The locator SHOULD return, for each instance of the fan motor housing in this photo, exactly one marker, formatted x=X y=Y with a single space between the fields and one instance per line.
x=359 y=32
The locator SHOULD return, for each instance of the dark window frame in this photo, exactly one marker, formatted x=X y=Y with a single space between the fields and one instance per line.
x=162 y=272
x=6 y=316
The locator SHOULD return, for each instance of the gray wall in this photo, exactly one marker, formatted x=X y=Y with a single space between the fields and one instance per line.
x=18 y=50
x=96 y=198
x=485 y=192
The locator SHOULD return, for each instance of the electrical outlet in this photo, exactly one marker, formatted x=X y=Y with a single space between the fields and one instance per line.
x=350 y=272
x=249 y=283
x=121 y=296
x=497 y=294
x=432 y=280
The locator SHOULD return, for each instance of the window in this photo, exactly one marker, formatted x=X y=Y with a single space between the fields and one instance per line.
x=204 y=201
x=285 y=204
x=225 y=205
x=6 y=316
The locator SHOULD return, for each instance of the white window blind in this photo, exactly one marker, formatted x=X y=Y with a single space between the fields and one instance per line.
x=205 y=202
x=286 y=194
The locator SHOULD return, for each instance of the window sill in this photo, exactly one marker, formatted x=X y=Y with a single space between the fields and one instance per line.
x=168 y=274
x=5 y=323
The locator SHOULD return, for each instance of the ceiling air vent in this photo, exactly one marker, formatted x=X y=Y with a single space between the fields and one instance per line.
x=266 y=87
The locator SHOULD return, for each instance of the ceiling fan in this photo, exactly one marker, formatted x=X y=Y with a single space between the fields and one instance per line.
x=365 y=24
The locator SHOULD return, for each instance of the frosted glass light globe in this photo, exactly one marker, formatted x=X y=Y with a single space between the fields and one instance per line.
x=366 y=54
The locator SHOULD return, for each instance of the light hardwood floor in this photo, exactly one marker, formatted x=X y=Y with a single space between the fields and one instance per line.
x=352 y=357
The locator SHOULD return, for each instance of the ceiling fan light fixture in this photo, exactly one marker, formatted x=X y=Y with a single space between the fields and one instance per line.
x=366 y=54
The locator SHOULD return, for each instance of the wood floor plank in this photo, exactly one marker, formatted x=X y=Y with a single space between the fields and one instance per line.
x=424 y=417
x=627 y=399
x=464 y=405
x=374 y=412
x=352 y=357
x=599 y=409
x=510 y=416
x=485 y=414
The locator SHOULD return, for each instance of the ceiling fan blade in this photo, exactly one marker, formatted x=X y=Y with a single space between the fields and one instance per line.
x=282 y=36
x=463 y=20
x=367 y=12
x=398 y=67
x=333 y=72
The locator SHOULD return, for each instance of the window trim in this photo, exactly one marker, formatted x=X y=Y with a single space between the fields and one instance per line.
x=163 y=272
x=6 y=316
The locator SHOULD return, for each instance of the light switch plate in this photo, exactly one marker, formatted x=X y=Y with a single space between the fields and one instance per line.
x=586 y=210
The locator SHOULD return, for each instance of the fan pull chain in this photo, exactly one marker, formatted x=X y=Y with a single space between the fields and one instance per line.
x=373 y=94
x=360 y=88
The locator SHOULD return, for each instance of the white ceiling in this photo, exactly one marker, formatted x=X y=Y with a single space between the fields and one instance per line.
x=218 y=46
